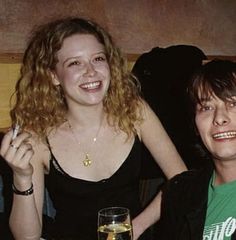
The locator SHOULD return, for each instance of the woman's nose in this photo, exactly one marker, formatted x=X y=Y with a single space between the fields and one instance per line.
x=221 y=117
x=90 y=70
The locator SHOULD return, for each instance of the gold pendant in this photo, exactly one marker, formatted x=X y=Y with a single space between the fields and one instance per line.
x=87 y=162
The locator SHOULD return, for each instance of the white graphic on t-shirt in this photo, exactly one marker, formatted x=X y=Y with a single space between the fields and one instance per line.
x=218 y=231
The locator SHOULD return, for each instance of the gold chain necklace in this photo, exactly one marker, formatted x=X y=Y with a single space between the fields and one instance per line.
x=87 y=160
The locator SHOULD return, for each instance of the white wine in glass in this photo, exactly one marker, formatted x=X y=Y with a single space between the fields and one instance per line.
x=114 y=224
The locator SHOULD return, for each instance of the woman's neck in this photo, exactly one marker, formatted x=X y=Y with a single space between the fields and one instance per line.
x=86 y=116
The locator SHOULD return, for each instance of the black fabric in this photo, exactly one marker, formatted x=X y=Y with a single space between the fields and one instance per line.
x=184 y=206
x=7 y=196
x=164 y=74
x=77 y=201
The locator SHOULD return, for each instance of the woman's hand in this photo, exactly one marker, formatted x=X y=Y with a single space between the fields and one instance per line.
x=17 y=152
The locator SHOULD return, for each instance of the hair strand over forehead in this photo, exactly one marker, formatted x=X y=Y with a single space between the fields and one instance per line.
x=216 y=78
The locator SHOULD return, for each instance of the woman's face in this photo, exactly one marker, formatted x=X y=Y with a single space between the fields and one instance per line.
x=82 y=70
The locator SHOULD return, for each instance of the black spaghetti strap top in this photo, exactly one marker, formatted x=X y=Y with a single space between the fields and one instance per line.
x=78 y=201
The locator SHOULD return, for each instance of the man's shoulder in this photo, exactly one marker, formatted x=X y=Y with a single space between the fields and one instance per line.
x=186 y=188
x=185 y=177
x=188 y=180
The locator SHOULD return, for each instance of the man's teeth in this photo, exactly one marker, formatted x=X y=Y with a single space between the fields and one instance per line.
x=224 y=135
x=91 y=85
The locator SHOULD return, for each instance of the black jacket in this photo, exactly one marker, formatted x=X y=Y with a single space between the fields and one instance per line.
x=184 y=206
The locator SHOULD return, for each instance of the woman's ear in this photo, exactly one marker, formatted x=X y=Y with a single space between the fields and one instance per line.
x=54 y=77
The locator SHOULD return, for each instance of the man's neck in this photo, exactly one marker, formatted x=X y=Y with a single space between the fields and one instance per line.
x=224 y=172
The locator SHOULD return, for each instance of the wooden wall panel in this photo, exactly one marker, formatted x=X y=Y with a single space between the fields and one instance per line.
x=8 y=75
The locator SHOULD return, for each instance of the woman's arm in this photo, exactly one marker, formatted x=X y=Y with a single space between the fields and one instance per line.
x=159 y=144
x=26 y=214
x=147 y=217
x=165 y=154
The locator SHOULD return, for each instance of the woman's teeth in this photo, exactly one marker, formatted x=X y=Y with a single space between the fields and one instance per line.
x=91 y=85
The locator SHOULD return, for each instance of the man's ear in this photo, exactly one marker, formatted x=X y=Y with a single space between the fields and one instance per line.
x=54 y=77
x=196 y=130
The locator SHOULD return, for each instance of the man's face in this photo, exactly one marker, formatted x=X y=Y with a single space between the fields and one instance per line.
x=216 y=123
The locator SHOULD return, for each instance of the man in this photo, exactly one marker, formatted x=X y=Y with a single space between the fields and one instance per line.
x=201 y=204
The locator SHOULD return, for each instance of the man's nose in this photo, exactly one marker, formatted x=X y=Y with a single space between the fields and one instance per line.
x=221 y=116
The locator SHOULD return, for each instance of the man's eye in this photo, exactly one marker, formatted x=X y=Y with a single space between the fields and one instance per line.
x=205 y=108
x=232 y=104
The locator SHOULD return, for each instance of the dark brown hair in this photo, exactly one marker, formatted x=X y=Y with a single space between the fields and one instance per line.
x=217 y=77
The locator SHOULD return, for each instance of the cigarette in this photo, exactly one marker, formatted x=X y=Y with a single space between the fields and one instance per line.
x=15 y=131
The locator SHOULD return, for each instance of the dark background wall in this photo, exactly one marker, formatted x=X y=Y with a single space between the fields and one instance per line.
x=136 y=25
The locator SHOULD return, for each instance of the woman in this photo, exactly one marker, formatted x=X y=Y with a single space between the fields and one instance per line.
x=82 y=120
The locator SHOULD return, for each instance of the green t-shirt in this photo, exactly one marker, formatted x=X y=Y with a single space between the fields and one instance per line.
x=220 y=221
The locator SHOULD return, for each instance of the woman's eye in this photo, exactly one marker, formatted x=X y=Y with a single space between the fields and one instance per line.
x=100 y=59
x=73 y=63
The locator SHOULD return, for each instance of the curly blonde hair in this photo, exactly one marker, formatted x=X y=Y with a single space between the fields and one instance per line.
x=40 y=105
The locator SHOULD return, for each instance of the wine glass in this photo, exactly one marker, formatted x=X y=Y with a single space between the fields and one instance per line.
x=114 y=224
